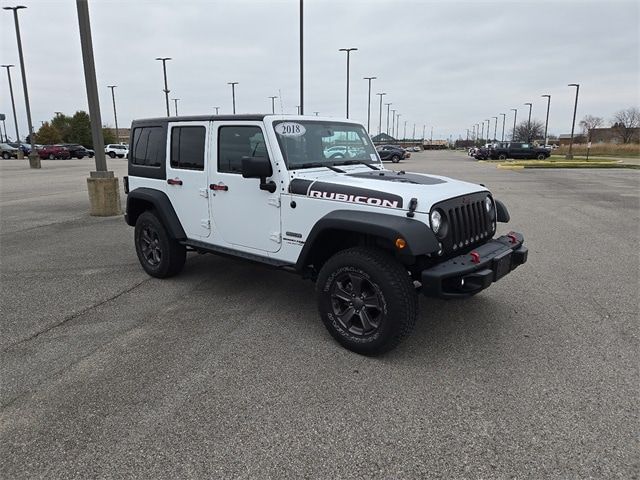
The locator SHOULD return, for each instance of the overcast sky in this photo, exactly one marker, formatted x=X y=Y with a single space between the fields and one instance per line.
x=447 y=64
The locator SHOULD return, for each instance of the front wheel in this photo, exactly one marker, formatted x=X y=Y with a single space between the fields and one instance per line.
x=160 y=255
x=395 y=159
x=541 y=156
x=502 y=156
x=6 y=156
x=112 y=154
x=367 y=300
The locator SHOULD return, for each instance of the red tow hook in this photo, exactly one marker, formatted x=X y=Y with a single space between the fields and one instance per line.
x=512 y=238
x=475 y=257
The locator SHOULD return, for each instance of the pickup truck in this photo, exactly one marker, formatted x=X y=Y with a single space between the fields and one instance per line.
x=502 y=151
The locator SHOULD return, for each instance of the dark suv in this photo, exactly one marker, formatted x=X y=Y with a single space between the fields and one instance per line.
x=76 y=151
x=502 y=151
x=391 y=153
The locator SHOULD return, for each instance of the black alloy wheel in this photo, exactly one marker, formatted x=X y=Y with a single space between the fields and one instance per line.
x=159 y=253
x=150 y=246
x=395 y=159
x=541 y=156
x=357 y=303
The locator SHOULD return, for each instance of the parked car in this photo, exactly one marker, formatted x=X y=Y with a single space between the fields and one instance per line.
x=482 y=153
x=343 y=151
x=502 y=151
x=75 y=150
x=90 y=153
x=26 y=149
x=417 y=149
x=8 y=151
x=391 y=153
x=54 y=152
x=116 y=150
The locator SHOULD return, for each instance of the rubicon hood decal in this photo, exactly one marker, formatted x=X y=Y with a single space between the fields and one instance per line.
x=345 y=193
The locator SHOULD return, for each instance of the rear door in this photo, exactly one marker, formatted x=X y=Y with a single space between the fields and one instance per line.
x=187 y=149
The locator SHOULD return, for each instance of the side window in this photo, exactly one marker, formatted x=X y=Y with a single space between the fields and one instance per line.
x=187 y=147
x=146 y=146
x=234 y=143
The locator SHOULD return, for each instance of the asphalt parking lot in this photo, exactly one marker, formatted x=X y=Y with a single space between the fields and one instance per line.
x=227 y=372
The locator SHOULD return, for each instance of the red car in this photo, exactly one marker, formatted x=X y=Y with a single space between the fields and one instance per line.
x=54 y=151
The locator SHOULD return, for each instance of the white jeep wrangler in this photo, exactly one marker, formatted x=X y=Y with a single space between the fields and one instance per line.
x=272 y=189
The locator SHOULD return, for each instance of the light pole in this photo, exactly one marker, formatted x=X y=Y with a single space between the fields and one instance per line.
x=4 y=125
x=388 y=107
x=217 y=110
x=301 y=58
x=529 y=123
x=13 y=103
x=348 y=50
x=404 y=135
x=515 y=115
x=369 y=79
x=495 y=130
x=473 y=133
x=482 y=134
x=504 y=118
x=546 y=123
x=273 y=104
x=115 y=113
x=102 y=185
x=233 y=94
x=299 y=109
x=477 y=132
x=380 y=119
x=569 y=155
x=166 y=88
x=393 y=122
x=397 y=130
x=488 y=120
x=431 y=140
x=175 y=104
x=413 y=137
x=316 y=113
x=34 y=159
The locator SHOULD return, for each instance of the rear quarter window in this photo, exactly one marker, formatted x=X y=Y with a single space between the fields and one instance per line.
x=147 y=143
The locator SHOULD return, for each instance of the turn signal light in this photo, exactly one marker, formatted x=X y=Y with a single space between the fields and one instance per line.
x=400 y=243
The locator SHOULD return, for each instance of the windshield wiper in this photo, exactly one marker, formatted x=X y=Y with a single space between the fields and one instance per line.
x=356 y=162
x=319 y=164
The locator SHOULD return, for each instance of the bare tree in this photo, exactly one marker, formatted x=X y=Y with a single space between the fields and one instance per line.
x=626 y=124
x=526 y=132
x=588 y=123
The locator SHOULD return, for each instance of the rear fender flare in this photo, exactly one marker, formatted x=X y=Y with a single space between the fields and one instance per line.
x=140 y=199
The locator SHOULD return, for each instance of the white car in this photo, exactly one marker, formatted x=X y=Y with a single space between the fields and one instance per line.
x=260 y=188
x=116 y=150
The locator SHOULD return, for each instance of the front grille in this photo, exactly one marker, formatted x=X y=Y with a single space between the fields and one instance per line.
x=468 y=223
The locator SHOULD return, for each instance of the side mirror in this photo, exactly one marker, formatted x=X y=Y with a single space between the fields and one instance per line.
x=259 y=167
x=256 y=167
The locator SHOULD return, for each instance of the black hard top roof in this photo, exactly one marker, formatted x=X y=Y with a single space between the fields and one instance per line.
x=202 y=118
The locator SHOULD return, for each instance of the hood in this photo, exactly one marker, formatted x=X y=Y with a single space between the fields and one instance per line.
x=384 y=188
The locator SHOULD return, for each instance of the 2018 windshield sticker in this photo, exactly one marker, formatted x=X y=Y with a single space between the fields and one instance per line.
x=290 y=129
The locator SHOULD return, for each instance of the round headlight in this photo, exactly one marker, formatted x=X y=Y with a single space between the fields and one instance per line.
x=488 y=204
x=436 y=221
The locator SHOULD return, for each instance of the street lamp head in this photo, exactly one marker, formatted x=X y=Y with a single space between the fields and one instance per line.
x=347 y=49
x=547 y=96
x=163 y=58
x=7 y=66
x=530 y=104
x=232 y=83
x=111 y=86
x=369 y=78
x=19 y=7
x=381 y=94
x=573 y=85
x=514 y=109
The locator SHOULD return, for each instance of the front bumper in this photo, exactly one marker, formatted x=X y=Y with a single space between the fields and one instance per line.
x=471 y=273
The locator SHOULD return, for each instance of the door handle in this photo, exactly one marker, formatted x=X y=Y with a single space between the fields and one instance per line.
x=219 y=186
x=174 y=181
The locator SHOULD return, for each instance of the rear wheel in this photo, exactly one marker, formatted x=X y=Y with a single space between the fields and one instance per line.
x=112 y=154
x=541 y=156
x=502 y=156
x=6 y=156
x=395 y=159
x=52 y=156
x=160 y=255
x=367 y=300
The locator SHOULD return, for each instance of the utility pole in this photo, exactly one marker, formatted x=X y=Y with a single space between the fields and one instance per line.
x=569 y=155
x=380 y=120
x=546 y=123
x=34 y=159
x=104 y=193
x=13 y=103
x=175 y=104
x=166 y=87
x=115 y=113
x=348 y=50
x=233 y=94
x=369 y=79
x=273 y=103
x=515 y=115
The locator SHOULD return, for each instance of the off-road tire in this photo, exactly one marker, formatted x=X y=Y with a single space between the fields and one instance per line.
x=395 y=159
x=395 y=294
x=171 y=256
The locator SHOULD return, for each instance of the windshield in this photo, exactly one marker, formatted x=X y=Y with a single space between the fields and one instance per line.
x=307 y=144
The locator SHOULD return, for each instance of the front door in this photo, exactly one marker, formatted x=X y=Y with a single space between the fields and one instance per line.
x=243 y=214
x=187 y=188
